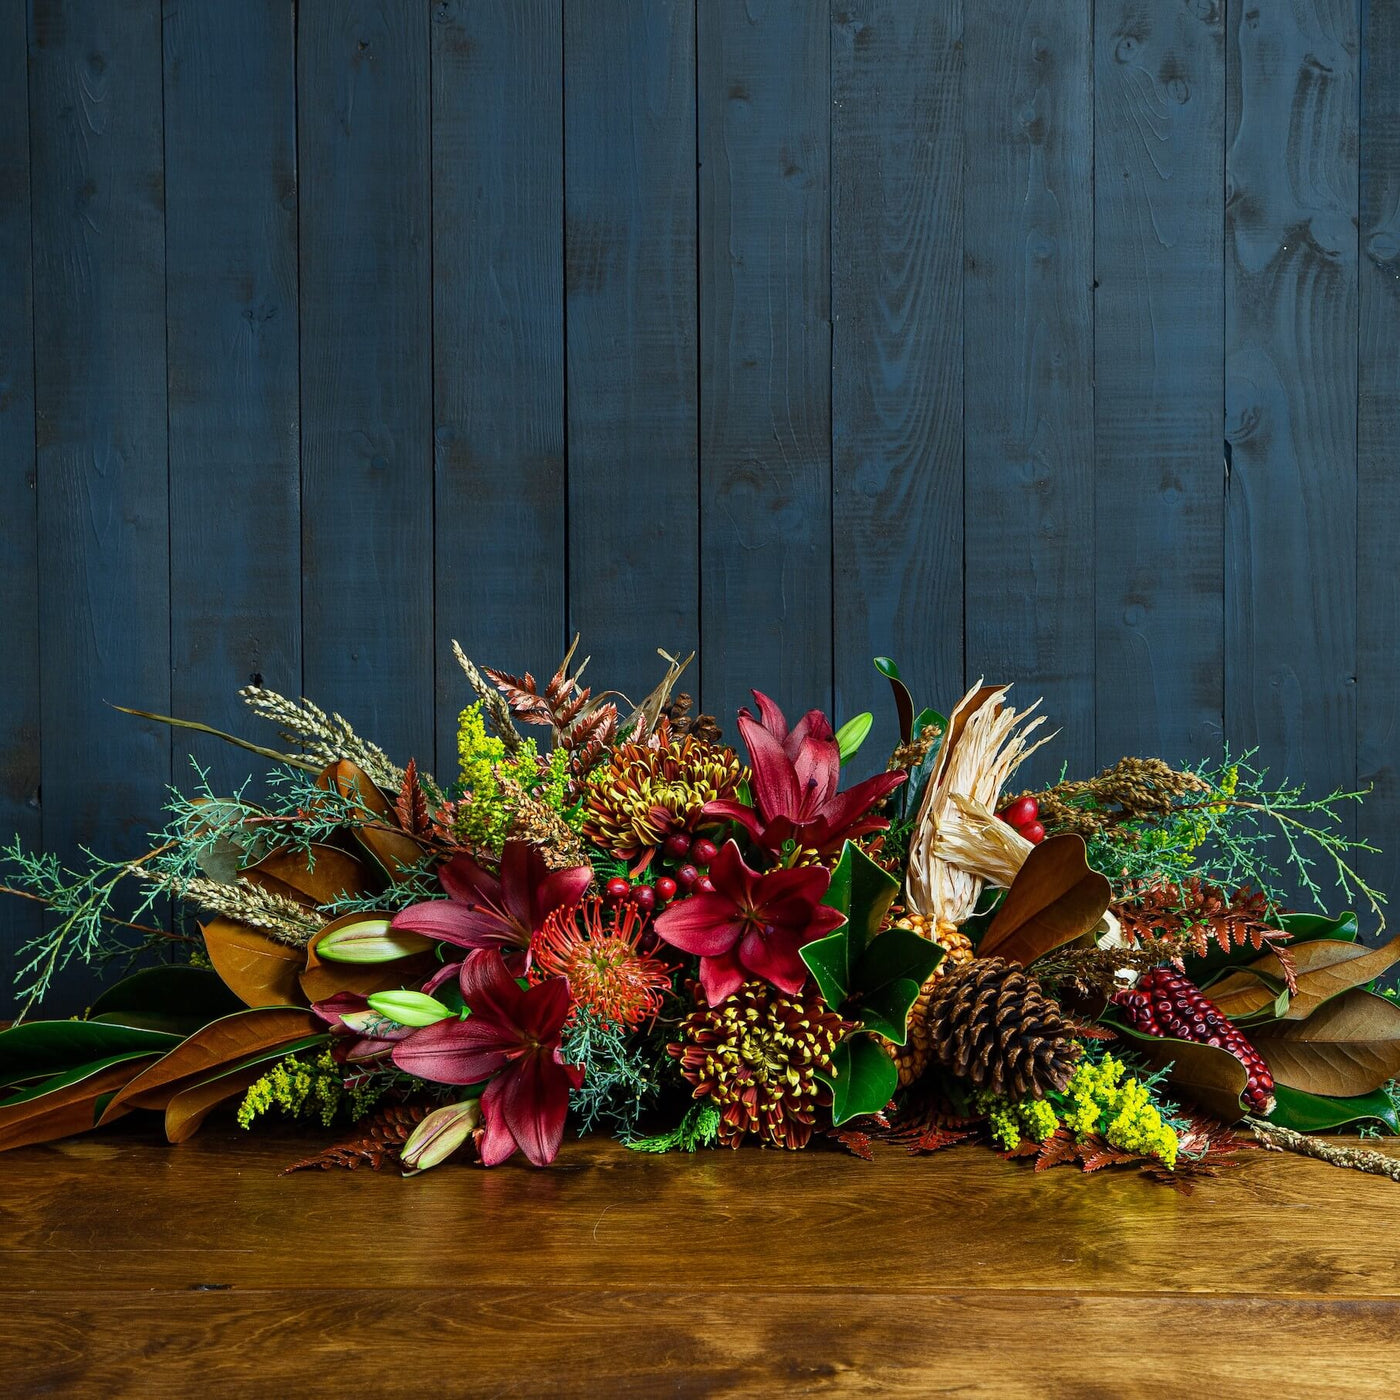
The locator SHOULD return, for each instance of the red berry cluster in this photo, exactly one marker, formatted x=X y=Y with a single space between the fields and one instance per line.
x=1165 y=1003
x=695 y=855
x=1023 y=815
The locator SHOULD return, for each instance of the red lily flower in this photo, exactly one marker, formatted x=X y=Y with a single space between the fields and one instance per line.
x=512 y=1038
x=362 y=1034
x=795 y=775
x=483 y=911
x=751 y=925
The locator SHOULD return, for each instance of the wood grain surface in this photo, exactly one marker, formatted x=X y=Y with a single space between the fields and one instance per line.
x=366 y=367
x=500 y=527
x=234 y=348
x=631 y=321
x=765 y=351
x=1291 y=309
x=134 y=1268
x=1378 y=437
x=98 y=187
x=20 y=725
x=1028 y=361
x=897 y=354
x=1159 y=95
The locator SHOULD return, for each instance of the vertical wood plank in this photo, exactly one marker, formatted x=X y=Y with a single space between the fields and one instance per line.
x=1290 y=419
x=231 y=314
x=1159 y=96
x=765 y=352
x=498 y=341
x=366 y=379
x=1028 y=234
x=630 y=284
x=897 y=348
x=1378 y=436
x=19 y=579
x=99 y=289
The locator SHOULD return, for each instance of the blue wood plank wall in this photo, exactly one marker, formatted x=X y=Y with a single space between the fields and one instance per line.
x=1056 y=343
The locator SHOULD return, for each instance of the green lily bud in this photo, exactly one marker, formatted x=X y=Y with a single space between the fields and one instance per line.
x=853 y=734
x=370 y=938
x=439 y=1135
x=410 y=1008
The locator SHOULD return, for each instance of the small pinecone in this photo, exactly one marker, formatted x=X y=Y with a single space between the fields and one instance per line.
x=1166 y=1003
x=704 y=727
x=912 y=1058
x=756 y=1057
x=990 y=1024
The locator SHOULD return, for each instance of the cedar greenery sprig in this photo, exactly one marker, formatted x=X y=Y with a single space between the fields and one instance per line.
x=1239 y=831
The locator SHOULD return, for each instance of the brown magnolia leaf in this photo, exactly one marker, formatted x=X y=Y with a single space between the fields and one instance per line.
x=1207 y=1075
x=1325 y=967
x=221 y=1043
x=189 y=1107
x=67 y=1110
x=395 y=851
x=1054 y=899
x=1349 y=1046
x=325 y=875
x=322 y=979
x=257 y=969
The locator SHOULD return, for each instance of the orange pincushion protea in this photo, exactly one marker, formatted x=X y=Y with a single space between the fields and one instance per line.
x=597 y=950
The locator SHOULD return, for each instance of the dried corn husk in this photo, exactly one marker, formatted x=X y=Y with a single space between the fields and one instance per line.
x=987 y=741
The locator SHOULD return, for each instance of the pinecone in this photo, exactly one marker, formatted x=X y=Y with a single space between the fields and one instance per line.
x=755 y=1056
x=642 y=795
x=989 y=1023
x=704 y=727
x=912 y=1058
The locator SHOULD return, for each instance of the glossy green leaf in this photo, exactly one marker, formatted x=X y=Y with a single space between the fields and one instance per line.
x=864 y=1078
x=903 y=701
x=39 y=1049
x=889 y=975
x=1313 y=1113
x=1307 y=927
x=826 y=960
x=853 y=734
x=178 y=999
x=74 y=1075
x=863 y=892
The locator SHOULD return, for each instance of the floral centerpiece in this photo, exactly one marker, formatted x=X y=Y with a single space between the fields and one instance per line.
x=634 y=924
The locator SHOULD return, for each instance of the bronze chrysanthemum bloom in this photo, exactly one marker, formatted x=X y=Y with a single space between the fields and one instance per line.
x=756 y=1057
x=642 y=795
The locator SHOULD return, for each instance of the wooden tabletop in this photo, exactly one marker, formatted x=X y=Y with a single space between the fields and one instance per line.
x=139 y=1269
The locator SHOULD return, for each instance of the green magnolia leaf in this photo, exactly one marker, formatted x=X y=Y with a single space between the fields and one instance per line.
x=74 y=1075
x=40 y=1049
x=863 y=1081
x=927 y=716
x=826 y=960
x=863 y=892
x=1314 y=1113
x=179 y=999
x=1307 y=927
x=903 y=701
x=886 y=1010
x=888 y=978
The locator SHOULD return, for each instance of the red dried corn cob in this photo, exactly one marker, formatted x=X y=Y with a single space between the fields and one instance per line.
x=1165 y=1003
